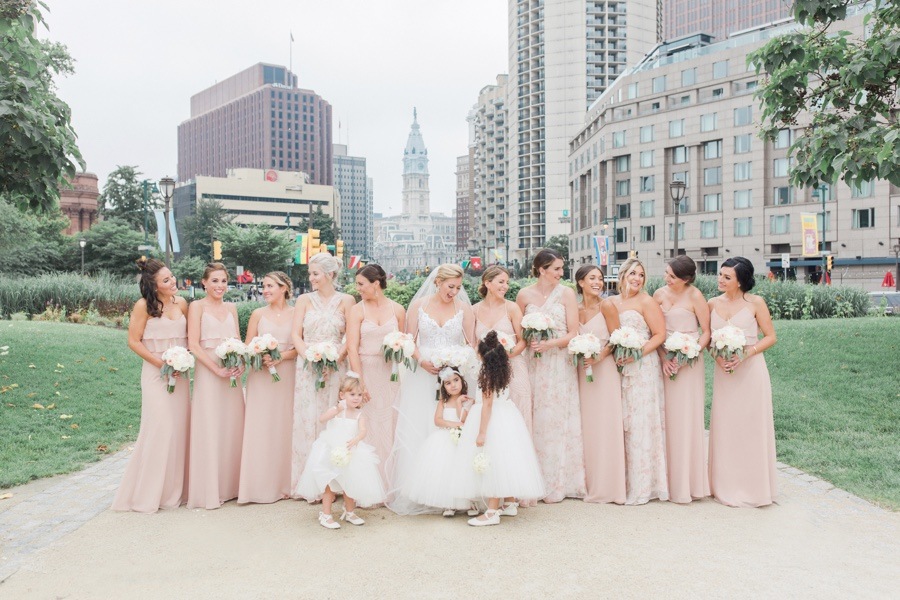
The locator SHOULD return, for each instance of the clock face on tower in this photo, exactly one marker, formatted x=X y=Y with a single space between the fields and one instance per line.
x=421 y=165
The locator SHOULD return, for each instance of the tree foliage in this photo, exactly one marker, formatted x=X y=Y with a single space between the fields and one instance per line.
x=198 y=230
x=842 y=88
x=38 y=149
x=112 y=247
x=123 y=198
x=189 y=267
x=32 y=244
x=257 y=248
x=560 y=243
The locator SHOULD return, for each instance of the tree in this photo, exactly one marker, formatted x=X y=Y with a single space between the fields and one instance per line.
x=841 y=88
x=38 y=150
x=123 y=198
x=189 y=267
x=328 y=231
x=32 y=244
x=257 y=248
x=112 y=246
x=560 y=243
x=198 y=230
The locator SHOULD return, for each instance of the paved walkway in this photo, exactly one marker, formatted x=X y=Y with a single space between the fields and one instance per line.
x=60 y=541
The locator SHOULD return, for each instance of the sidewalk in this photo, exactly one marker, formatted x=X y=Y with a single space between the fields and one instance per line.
x=818 y=542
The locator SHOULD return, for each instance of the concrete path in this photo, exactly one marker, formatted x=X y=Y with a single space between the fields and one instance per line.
x=57 y=540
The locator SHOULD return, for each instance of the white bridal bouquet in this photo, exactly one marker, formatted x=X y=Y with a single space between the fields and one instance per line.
x=457 y=357
x=340 y=456
x=535 y=328
x=586 y=345
x=728 y=342
x=683 y=347
x=626 y=342
x=260 y=346
x=507 y=341
x=398 y=347
x=481 y=463
x=175 y=359
x=320 y=357
x=231 y=353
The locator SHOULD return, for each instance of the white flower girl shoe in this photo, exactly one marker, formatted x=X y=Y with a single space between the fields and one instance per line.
x=509 y=510
x=327 y=521
x=492 y=517
x=351 y=518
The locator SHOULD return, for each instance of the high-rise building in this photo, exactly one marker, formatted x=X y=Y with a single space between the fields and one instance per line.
x=257 y=119
x=370 y=233
x=489 y=143
x=562 y=55
x=719 y=18
x=352 y=183
x=464 y=201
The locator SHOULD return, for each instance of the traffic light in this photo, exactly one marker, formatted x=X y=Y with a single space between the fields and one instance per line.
x=829 y=262
x=312 y=240
x=339 y=249
x=217 y=250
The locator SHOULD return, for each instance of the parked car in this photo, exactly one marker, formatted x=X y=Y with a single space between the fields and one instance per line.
x=886 y=302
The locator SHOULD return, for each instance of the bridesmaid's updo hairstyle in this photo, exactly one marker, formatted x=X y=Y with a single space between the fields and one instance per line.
x=743 y=270
x=374 y=273
x=212 y=268
x=542 y=260
x=490 y=274
x=327 y=263
x=582 y=272
x=283 y=281
x=444 y=396
x=684 y=268
x=626 y=268
x=447 y=271
x=495 y=368
x=149 y=268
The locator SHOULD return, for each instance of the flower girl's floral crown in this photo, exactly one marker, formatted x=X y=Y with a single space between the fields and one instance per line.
x=446 y=373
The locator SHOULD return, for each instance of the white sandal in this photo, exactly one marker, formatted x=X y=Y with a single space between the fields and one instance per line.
x=492 y=517
x=351 y=518
x=328 y=522
x=510 y=509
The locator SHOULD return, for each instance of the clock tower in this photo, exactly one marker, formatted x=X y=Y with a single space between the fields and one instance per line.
x=416 y=202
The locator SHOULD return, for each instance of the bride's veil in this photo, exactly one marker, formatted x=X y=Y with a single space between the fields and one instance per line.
x=429 y=288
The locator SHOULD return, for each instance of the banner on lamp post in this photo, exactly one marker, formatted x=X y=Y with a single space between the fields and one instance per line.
x=809 y=230
x=601 y=249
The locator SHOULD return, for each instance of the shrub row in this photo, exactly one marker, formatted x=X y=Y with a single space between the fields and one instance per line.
x=69 y=292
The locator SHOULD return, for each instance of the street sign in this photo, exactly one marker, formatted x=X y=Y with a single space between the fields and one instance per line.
x=785 y=261
x=143 y=247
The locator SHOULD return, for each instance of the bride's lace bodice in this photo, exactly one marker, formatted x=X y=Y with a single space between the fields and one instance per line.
x=432 y=336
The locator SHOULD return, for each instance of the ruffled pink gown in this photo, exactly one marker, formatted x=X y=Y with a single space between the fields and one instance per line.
x=381 y=409
x=217 y=424
x=742 y=469
x=156 y=475
x=268 y=425
x=323 y=322
x=685 y=418
x=601 y=424
x=557 y=411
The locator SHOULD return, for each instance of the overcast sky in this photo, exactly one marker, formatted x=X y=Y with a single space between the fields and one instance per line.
x=138 y=63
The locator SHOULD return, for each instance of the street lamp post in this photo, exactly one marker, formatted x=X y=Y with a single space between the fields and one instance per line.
x=676 y=190
x=703 y=256
x=82 y=242
x=614 y=237
x=147 y=191
x=897 y=266
x=167 y=188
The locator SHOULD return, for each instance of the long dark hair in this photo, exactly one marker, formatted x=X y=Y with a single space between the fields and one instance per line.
x=149 y=267
x=442 y=391
x=743 y=270
x=495 y=368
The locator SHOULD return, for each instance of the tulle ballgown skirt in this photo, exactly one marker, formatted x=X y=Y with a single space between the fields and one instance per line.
x=156 y=475
x=266 y=455
x=742 y=468
x=685 y=430
x=604 y=435
x=309 y=403
x=430 y=483
x=381 y=409
x=513 y=469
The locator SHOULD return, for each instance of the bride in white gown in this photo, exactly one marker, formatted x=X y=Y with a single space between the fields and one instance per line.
x=440 y=315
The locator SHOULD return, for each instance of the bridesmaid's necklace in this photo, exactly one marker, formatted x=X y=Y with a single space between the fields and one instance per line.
x=541 y=292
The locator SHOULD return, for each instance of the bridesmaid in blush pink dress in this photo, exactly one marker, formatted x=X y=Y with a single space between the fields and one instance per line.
x=601 y=401
x=686 y=311
x=554 y=380
x=368 y=322
x=156 y=476
x=319 y=316
x=268 y=420
x=742 y=469
x=643 y=408
x=217 y=426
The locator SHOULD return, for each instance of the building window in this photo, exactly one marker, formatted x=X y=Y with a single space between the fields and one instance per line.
x=712 y=202
x=621 y=235
x=863 y=189
x=689 y=77
x=720 y=69
x=648 y=233
x=784 y=139
x=680 y=230
x=679 y=155
x=827 y=221
x=712 y=176
x=618 y=139
x=863 y=218
x=623 y=187
x=780 y=167
x=623 y=163
x=708 y=229
x=708 y=122
x=743 y=227
x=682 y=176
x=632 y=91
x=647 y=183
x=743 y=171
x=623 y=211
x=648 y=208
x=647 y=158
x=718 y=92
x=712 y=149
x=743 y=143
x=743 y=198
x=659 y=84
x=779 y=224
x=676 y=128
x=646 y=134
x=743 y=116
x=783 y=195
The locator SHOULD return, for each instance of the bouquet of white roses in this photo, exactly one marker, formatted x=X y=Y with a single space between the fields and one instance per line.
x=175 y=359
x=683 y=347
x=398 y=347
x=461 y=358
x=586 y=345
x=728 y=342
x=626 y=342
x=260 y=346
x=507 y=341
x=320 y=357
x=340 y=456
x=481 y=463
x=231 y=354
x=535 y=328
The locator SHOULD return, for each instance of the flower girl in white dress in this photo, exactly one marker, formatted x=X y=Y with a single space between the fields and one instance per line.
x=496 y=457
x=431 y=484
x=340 y=462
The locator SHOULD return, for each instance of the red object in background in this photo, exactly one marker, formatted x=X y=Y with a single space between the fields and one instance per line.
x=475 y=263
x=271 y=175
x=888 y=280
x=245 y=277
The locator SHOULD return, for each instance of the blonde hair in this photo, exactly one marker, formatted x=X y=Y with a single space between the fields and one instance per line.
x=626 y=267
x=447 y=271
x=281 y=278
x=327 y=263
x=350 y=383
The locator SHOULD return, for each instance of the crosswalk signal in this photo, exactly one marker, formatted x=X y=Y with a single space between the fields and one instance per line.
x=829 y=262
x=217 y=250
